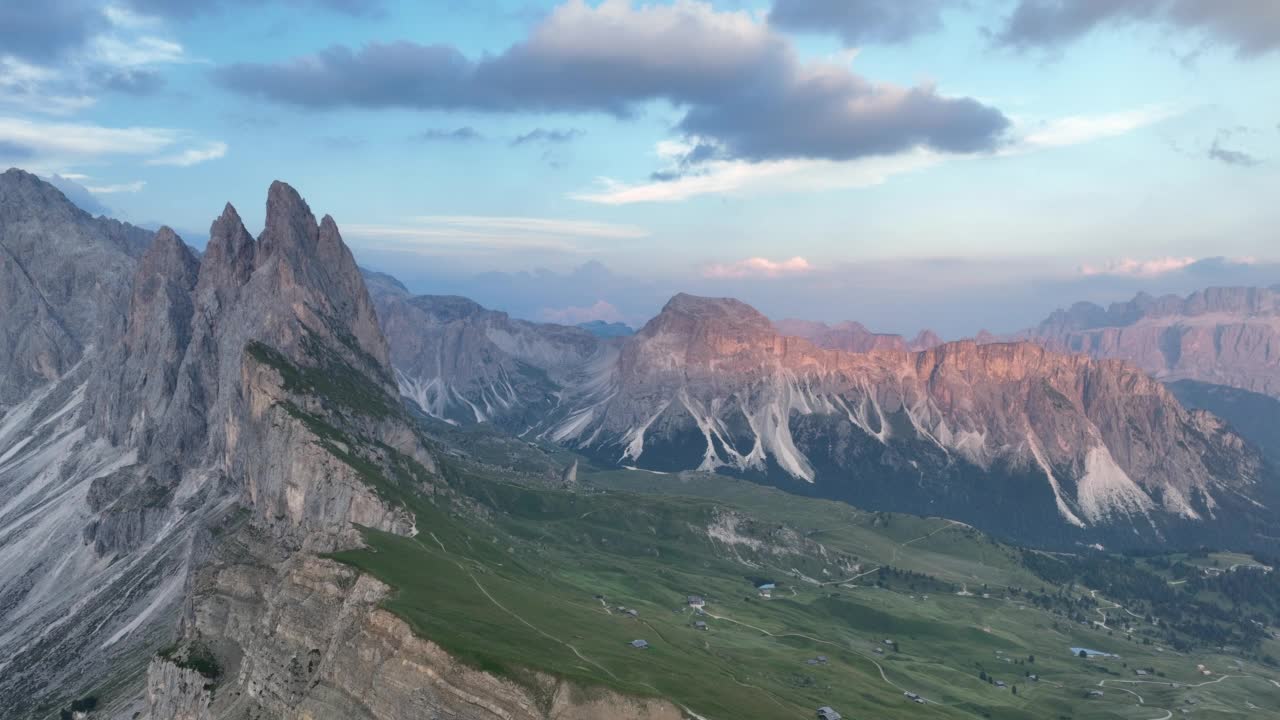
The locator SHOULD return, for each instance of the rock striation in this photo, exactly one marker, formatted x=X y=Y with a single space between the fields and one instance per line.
x=462 y=363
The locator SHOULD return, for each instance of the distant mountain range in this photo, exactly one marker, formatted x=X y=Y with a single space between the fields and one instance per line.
x=1218 y=349
x=603 y=329
x=1223 y=336
x=854 y=336
x=1045 y=447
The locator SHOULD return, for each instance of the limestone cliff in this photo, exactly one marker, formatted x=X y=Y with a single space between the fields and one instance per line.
x=1223 y=336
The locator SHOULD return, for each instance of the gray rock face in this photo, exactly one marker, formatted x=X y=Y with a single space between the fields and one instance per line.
x=139 y=373
x=464 y=364
x=1224 y=336
x=64 y=277
x=244 y=381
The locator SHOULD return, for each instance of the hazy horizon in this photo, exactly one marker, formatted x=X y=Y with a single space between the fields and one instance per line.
x=945 y=164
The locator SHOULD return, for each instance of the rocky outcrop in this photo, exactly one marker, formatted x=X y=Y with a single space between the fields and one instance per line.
x=304 y=637
x=1041 y=446
x=176 y=692
x=1224 y=336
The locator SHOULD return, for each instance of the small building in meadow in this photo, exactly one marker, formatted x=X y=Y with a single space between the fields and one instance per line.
x=640 y=644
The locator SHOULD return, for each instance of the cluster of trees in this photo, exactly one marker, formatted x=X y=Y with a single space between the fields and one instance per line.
x=1223 y=609
x=889 y=576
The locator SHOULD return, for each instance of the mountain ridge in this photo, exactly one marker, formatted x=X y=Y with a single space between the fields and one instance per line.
x=1222 y=335
x=1103 y=449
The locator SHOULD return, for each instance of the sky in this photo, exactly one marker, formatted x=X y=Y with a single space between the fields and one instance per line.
x=953 y=164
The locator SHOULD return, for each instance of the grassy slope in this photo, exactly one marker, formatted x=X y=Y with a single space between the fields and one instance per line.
x=517 y=592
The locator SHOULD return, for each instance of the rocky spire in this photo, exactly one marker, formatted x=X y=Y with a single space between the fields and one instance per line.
x=290 y=226
x=137 y=377
x=228 y=259
x=315 y=274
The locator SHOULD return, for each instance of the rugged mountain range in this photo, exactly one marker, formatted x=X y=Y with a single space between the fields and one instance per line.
x=853 y=336
x=1223 y=336
x=1045 y=447
x=185 y=442
x=171 y=484
x=462 y=363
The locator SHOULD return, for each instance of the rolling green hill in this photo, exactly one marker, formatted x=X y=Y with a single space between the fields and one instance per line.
x=519 y=573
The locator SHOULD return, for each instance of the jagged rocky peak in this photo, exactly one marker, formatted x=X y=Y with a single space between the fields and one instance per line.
x=229 y=257
x=313 y=271
x=22 y=192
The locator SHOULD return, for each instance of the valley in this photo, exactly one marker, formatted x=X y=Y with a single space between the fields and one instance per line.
x=954 y=603
x=265 y=491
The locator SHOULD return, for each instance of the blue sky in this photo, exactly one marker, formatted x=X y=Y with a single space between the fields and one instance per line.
x=952 y=163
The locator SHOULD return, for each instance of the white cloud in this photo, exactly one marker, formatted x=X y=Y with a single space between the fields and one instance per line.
x=740 y=177
x=758 y=267
x=470 y=234
x=123 y=17
x=539 y=226
x=438 y=240
x=192 y=156
x=571 y=315
x=32 y=88
x=1138 y=268
x=1156 y=267
x=1079 y=129
x=56 y=145
x=135 y=52
x=82 y=139
x=129 y=187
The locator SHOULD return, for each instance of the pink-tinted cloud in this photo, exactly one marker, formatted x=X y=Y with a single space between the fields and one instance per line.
x=1138 y=268
x=758 y=267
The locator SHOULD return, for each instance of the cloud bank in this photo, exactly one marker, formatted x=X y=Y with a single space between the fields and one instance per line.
x=1250 y=27
x=740 y=84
